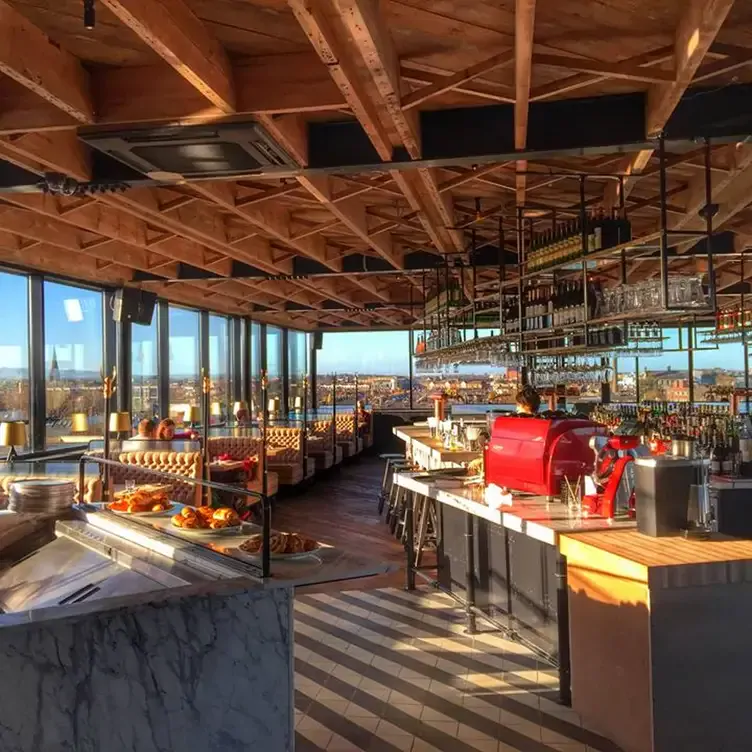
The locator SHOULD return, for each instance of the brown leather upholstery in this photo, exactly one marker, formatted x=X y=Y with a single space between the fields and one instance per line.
x=288 y=464
x=92 y=486
x=136 y=466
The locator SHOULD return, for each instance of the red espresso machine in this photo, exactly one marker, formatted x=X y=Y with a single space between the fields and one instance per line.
x=535 y=454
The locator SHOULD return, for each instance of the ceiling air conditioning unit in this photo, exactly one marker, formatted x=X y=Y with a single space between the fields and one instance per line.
x=194 y=151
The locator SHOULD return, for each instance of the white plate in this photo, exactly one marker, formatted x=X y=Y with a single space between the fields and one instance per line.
x=276 y=557
x=169 y=510
x=205 y=532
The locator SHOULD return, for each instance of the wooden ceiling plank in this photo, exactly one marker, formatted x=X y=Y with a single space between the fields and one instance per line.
x=291 y=131
x=524 y=20
x=694 y=36
x=29 y=57
x=175 y=33
x=422 y=95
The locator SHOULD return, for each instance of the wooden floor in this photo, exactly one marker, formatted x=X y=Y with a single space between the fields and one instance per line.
x=341 y=508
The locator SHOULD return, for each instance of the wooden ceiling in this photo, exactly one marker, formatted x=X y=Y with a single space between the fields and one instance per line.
x=289 y=63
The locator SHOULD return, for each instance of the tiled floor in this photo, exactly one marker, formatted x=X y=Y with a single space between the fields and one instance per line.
x=387 y=670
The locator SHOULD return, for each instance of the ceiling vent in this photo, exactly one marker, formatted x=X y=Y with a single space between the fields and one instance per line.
x=201 y=151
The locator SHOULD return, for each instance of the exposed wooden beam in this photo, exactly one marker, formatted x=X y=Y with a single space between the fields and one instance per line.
x=626 y=71
x=291 y=131
x=524 y=20
x=581 y=80
x=352 y=213
x=425 y=93
x=427 y=75
x=697 y=29
x=373 y=42
x=29 y=57
x=175 y=33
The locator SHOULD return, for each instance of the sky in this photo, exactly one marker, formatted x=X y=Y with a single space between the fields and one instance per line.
x=73 y=326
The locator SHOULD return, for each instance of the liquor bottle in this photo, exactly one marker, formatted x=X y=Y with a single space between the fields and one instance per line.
x=716 y=458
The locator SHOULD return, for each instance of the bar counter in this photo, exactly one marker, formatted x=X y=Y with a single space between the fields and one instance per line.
x=648 y=633
x=429 y=452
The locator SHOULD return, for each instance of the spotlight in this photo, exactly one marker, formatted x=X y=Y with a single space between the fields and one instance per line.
x=90 y=14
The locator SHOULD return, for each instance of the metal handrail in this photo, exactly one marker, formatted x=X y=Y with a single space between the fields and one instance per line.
x=266 y=516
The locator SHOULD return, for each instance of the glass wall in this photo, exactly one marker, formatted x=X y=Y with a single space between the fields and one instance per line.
x=718 y=369
x=471 y=385
x=274 y=366
x=145 y=371
x=665 y=377
x=381 y=361
x=73 y=358
x=219 y=367
x=14 y=348
x=297 y=364
x=185 y=381
x=256 y=367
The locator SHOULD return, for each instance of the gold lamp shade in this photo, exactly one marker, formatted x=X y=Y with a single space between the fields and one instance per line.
x=79 y=422
x=13 y=434
x=216 y=409
x=193 y=414
x=120 y=422
x=298 y=403
x=273 y=405
x=239 y=406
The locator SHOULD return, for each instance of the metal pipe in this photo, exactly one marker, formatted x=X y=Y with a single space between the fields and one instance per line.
x=470 y=572
x=266 y=514
x=502 y=275
x=474 y=283
x=585 y=249
x=709 y=213
x=664 y=221
x=409 y=549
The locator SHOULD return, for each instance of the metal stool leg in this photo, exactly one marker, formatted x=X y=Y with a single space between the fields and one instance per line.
x=422 y=528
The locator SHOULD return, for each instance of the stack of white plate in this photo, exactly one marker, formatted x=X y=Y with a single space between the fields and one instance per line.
x=41 y=496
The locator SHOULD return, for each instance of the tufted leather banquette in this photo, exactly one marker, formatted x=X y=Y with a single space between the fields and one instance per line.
x=136 y=466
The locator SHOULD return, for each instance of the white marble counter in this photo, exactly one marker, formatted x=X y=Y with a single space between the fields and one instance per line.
x=192 y=671
x=530 y=515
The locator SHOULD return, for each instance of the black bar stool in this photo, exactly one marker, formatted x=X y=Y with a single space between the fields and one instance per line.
x=386 y=482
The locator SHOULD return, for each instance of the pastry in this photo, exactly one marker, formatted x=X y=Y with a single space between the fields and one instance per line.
x=178 y=520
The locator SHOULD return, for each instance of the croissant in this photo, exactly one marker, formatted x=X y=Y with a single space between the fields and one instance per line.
x=218 y=524
x=191 y=522
x=188 y=512
x=223 y=513
x=178 y=520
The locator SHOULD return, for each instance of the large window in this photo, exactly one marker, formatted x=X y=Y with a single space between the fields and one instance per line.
x=297 y=363
x=468 y=387
x=665 y=377
x=256 y=366
x=145 y=373
x=73 y=358
x=218 y=366
x=379 y=359
x=185 y=382
x=14 y=348
x=274 y=365
x=718 y=369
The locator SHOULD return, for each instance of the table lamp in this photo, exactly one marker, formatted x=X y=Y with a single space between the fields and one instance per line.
x=272 y=406
x=216 y=409
x=193 y=415
x=120 y=423
x=298 y=404
x=11 y=435
x=80 y=423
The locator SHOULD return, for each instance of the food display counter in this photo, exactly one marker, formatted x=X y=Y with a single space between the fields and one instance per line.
x=120 y=632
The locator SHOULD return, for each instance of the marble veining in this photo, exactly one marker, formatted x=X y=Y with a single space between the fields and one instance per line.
x=203 y=673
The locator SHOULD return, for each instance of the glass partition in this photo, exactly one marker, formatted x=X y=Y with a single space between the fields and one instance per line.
x=145 y=371
x=184 y=376
x=218 y=367
x=14 y=348
x=718 y=369
x=73 y=358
